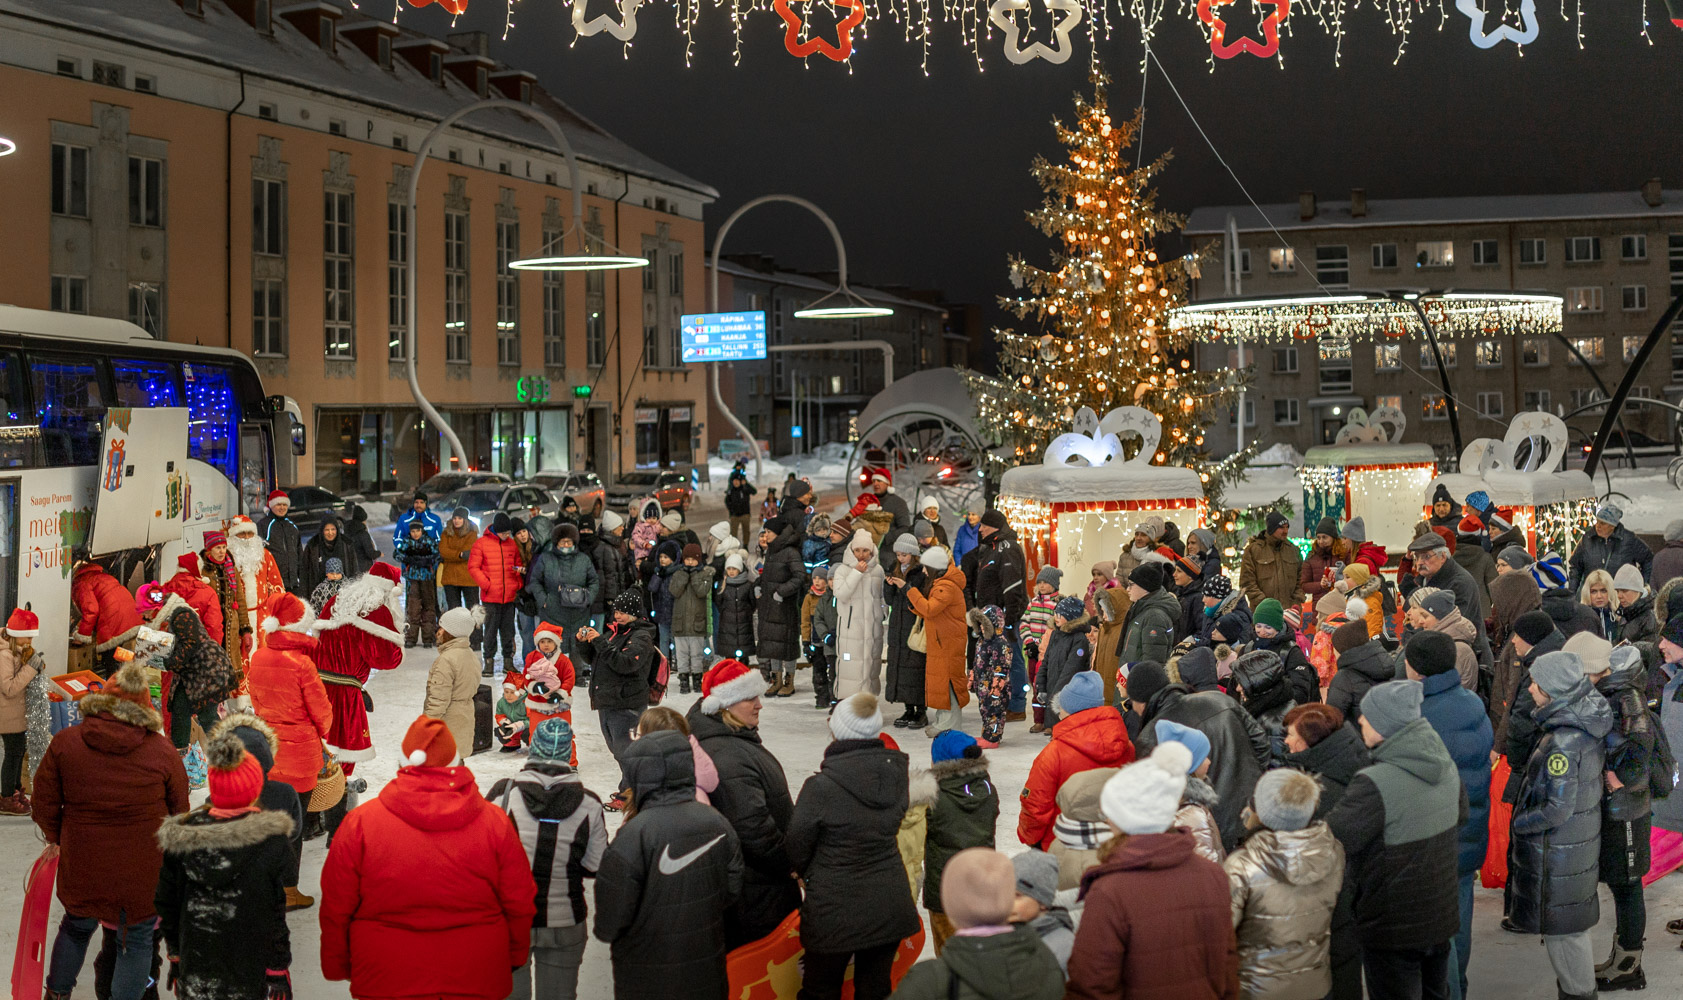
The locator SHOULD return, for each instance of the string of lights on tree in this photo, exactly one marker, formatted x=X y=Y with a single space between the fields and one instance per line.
x=1103 y=311
x=1487 y=23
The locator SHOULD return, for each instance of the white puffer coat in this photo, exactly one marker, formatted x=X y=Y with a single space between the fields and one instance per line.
x=859 y=621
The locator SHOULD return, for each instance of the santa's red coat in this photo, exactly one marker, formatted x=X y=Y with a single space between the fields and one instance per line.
x=353 y=650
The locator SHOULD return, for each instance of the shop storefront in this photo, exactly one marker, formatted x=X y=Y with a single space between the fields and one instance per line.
x=664 y=435
x=387 y=450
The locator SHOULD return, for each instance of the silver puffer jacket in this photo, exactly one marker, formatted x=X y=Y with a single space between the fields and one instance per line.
x=1194 y=814
x=1283 y=886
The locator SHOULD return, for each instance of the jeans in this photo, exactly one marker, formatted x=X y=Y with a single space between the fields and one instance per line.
x=11 y=771
x=1018 y=687
x=871 y=967
x=134 y=957
x=617 y=724
x=1463 y=939
x=499 y=631
x=1407 y=975
x=665 y=641
x=1573 y=961
x=181 y=716
x=526 y=624
x=463 y=597
x=556 y=955
x=1632 y=916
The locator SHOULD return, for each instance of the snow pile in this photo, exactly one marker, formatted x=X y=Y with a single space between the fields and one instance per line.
x=1278 y=454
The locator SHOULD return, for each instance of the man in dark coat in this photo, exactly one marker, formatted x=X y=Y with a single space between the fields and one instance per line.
x=1148 y=629
x=1001 y=578
x=1626 y=812
x=1435 y=567
x=280 y=537
x=622 y=664
x=1239 y=748
x=1557 y=821
x=1609 y=546
x=613 y=564
x=738 y=504
x=565 y=584
x=782 y=582
x=1516 y=730
x=1399 y=822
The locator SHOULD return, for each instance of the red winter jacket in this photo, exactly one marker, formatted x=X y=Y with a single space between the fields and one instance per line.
x=201 y=599
x=107 y=608
x=496 y=568
x=287 y=693
x=1158 y=925
x=426 y=893
x=1372 y=556
x=1096 y=737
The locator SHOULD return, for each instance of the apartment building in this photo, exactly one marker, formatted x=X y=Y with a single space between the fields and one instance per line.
x=234 y=173
x=1615 y=257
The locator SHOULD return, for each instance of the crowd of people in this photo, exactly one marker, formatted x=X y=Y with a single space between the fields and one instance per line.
x=1281 y=786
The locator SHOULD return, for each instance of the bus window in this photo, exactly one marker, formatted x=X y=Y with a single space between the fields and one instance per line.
x=144 y=384
x=213 y=418
x=18 y=430
x=255 y=481
x=69 y=407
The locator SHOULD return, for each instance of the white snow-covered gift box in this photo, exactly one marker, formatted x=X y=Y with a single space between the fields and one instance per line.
x=1080 y=505
x=1368 y=473
x=1553 y=506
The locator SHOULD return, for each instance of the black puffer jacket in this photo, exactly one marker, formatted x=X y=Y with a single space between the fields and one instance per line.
x=1068 y=651
x=1267 y=695
x=312 y=565
x=905 y=664
x=1001 y=576
x=1637 y=622
x=1300 y=673
x=612 y=570
x=1557 y=818
x=781 y=583
x=280 y=537
x=736 y=618
x=622 y=663
x=1359 y=669
x=362 y=543
x=1239 y=750
x=1521 y=734
x=222 y=901
x=1569 y=616
x=753 y=796
x=1634 y=738
x=843 y=841
x=1334 y=762
x=1620 y=548
x=667 y=880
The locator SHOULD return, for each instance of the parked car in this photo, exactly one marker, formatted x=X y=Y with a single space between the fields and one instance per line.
x=584 y=487
x=442 y=483
x=312 y=505
x=669 y=486
x=485 y=500
x=1648 y=450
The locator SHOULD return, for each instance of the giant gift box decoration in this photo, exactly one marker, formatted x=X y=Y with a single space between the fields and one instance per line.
x=1080 y=505
x=1368 y=472
x=1553 y=506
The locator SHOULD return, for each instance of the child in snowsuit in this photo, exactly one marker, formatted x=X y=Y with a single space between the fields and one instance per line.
x=990 y=671
x=818 y=633
x=646 y=532
x=549 y=681
x=692 y=598
x=509 y=722
x=815 y=547
x=418 y=555
x=1036 y=624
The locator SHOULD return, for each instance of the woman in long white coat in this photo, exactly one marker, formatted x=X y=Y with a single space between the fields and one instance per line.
x=857 y=580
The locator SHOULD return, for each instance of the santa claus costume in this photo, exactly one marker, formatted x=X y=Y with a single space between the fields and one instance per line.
x=549 y=682
x=259 y=579
x=357 y=634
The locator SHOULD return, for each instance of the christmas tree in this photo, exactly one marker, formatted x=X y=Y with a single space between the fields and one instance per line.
x=1103 y=310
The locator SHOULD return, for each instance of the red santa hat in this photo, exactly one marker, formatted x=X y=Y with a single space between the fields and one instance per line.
x=515 y=681
x=23 y=623
x=428 y=743
x=383 y=570
x=189 y=561
x=547 y=631
x=727 y=683
x=278 y=495
x=284 y=612
x=240 y=523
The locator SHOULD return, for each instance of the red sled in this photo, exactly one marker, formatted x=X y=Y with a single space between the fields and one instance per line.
x=29 y=964
x=770 y=968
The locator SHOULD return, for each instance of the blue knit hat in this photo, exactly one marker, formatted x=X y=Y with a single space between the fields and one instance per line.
x=1070 y=608
x=1085 y=690
x=950 y=744
x=552 y=740
x=1549 y=571
x=1192 y=739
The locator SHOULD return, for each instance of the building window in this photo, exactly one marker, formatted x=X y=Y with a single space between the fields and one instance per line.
x=1638 y=392
x=336 y=126
x=1244 y=260
x=69 y=294
x=1586 y=400
x=397 y=280
x=508 y=293
x=1536 y=399
x=1533 y=251
x=1232 y=415
x=1395 y=402
x=268 y=317
x=1332 y=266
x=268 y=217
x=145 y=84
x=69 y=67
x=1633 y=247
x=1433 y=406
x=1285 y=360
x=1591 y=349
x=674 y=308
x=1485 y=253
x=1384 y=256
x=1446 y=348
x=1282 y=260
x=1387 y=357
x=267 y=111
x=1490 y=404
x=399 y=142
x=1629 y=345
x=1633 y=298
x=595 y=320
x=339 y=303
x=1584 y=299
x=1583 y=249
x=1675 y=252
x=146 y=191
x=1487 y=354
x=146 y=307
x=456 y=287
x=1285 y=412
x=1335 y=365
x=70 y=180
x=1434 y=253
x=1534 y=352
x=554 y=308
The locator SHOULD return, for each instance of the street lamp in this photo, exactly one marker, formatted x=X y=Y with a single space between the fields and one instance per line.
x=848 y=304
x=582 y=260
x=7 y=146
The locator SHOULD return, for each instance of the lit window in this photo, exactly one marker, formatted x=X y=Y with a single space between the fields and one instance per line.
x=1585 y=299
x=1387 y=357
x=1282 y=260
x=1630 y=345
x=1434 y=253
x=1591 y=349
x=1447 y=349
x=1487 y=354
x=1433 y=406
x=1391 y=401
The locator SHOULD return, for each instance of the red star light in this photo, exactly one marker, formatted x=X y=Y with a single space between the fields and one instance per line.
x=1222 y=49
x=839 y=52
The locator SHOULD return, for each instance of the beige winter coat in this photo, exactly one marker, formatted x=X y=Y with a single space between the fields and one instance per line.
x=451 y=685
x=1461 y=630
x=1078 y=805
x=1283 y=886
x=14 y=677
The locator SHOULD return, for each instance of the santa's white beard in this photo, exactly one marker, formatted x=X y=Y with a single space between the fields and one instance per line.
x=359 y=597
x=247 y=552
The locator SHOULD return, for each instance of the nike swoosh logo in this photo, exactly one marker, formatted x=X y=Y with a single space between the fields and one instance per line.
x=670 y=865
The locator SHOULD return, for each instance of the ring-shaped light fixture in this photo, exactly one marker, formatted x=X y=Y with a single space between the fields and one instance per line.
x=7 y=146
x=848 y=305
x=578 y=262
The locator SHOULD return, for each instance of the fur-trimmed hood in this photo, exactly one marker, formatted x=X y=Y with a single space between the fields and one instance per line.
x=198 y=830
x=1077 y=625
x=121 y=709
x=960 y=767
x=986 y=622
x=160 y=617
x=1367 y=589
x=1662 y=601
x=1200 y=793
x=247 y=720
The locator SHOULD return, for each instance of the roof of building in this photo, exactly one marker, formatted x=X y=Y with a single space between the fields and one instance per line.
x=794 y=279
x=222 y=38
x=1211 y=220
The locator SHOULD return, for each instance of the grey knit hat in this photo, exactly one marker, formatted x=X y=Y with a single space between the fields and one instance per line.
x=1518 y=558
x=1392 y=705
x=924 y=528
x=906 y=544
x=1050 y=575
x=1037 y=876
x=1439 y=605
x=1674 y=531
x=1355 y=531
x=1284 y=799
x=1558 y=673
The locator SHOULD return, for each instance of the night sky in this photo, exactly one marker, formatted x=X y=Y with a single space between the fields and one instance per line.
x=927 y=175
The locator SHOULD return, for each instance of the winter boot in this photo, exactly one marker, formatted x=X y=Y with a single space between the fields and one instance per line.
x=14 y=805
x=296 y=900
x=918 y=721
x=1621 y=971
x=905 y=718
x=787 y=688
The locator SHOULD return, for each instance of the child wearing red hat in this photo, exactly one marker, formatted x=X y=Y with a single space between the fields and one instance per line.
x=24 y=717
x=549 y=681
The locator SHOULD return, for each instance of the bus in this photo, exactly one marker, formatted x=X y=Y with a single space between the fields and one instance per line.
x=60 y=374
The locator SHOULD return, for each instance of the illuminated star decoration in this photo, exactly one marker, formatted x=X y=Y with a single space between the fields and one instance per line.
x=1000 y=14
x=1522 y=35
x=1265 y=49
x=455 y=7
x=841 y=51
x=623 y=29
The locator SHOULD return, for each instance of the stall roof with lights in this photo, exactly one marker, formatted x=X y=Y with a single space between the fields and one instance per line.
x=1369 y=454
x=1493 y=466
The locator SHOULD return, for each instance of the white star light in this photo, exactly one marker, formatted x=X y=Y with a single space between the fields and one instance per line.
x=1000 y=14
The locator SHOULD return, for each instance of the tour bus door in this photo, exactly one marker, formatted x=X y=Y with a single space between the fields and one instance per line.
x=141 y=497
